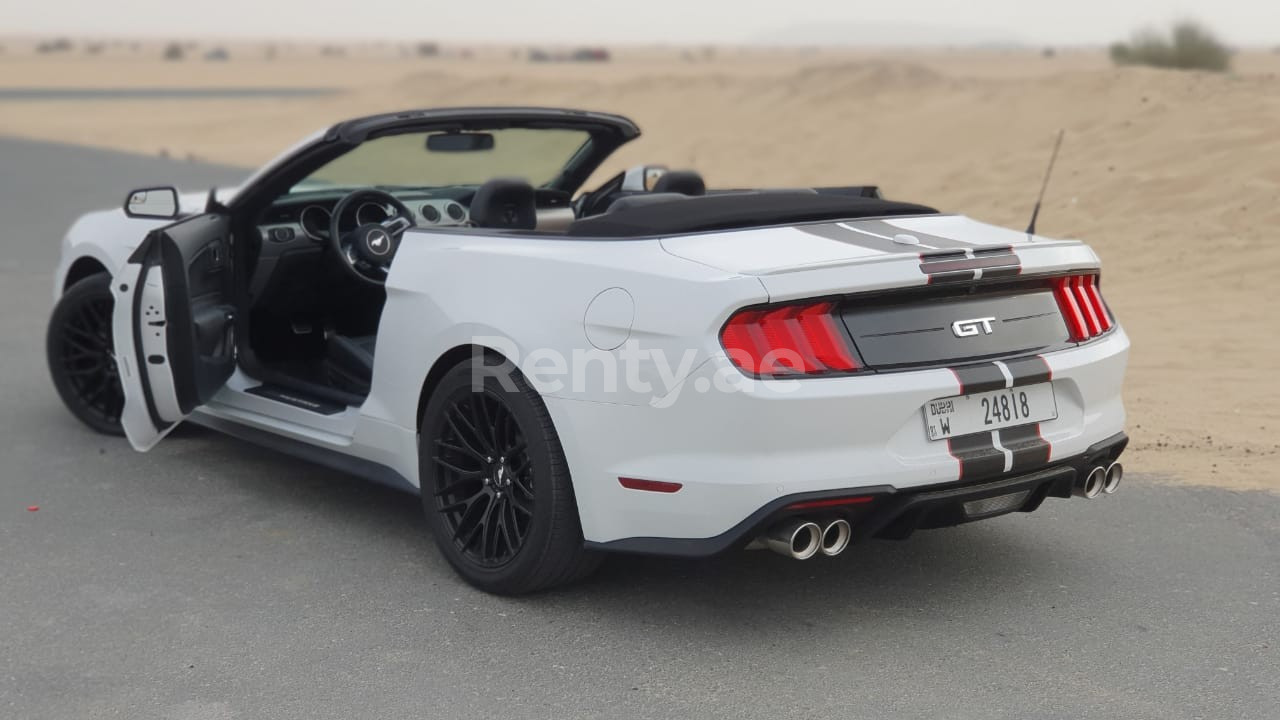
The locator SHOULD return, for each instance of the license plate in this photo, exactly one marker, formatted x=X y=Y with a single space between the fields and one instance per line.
x=979 y=412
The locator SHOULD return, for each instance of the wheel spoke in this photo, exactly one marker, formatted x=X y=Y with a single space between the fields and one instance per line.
x=454 y=468
x=479 y=423
x=505 y=531
x=483 y=422
x=519 y=483
x=513 y=524
x=91 y=319
x=499 y=434
x=475 y=434
x=524 y=465
x=101 y=390
x=88 y=335
x=521 y=507
x=471 y=536
x=462 y=504
x=461 y=437
x=101 y=313
x=476 y=527
x=513 y=432
x=72 y=354
x=464 y=449
x=91 y=370
x=453 y=487
x=486 y=534
x=80 y=345
x=491 y=523
x=85 y=361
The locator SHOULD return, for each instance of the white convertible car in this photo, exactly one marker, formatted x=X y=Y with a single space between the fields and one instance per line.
x=425 y=299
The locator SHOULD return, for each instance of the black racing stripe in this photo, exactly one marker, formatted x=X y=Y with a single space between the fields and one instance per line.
x=978 y=456
x=831 y=231
x=953 y=266
x=1029 y=370
x=927 y=241
x=940 y=255
x=979 y=378
x=1002 y=251
x=1008 y=271
x=878 y=235
x=956 y=277
x=1028 y=448
x=977 y=453
x=994 y=250
x=940 y=265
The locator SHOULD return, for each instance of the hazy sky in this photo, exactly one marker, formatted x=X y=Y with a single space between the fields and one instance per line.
x=644 y=21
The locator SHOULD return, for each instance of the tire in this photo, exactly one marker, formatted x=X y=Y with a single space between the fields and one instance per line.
x=496 y=488
x=79 y=352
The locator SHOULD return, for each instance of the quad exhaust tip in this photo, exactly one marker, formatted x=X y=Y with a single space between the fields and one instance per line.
x=1115 y=473
x=1101 y=480
x=835 y=537
x=802 y=539
x=799 y=539
x=1093 y=483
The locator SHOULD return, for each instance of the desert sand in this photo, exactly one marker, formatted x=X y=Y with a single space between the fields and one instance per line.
x=1173 y=177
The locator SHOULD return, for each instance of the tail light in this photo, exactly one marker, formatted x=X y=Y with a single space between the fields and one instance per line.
x=1082 y=307
x=792 y=339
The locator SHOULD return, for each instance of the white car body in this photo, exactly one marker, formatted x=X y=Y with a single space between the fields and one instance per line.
x=734 y=455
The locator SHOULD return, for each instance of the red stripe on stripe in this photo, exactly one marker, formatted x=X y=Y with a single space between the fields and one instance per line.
x=1040 y=426
x=1048 y=445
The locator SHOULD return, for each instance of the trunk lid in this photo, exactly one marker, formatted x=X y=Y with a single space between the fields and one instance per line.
x=936 y=290
x=777 y=250
x=954 y=325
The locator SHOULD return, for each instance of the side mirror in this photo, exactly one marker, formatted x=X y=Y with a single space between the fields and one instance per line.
x=156 y=202
x=642 y=178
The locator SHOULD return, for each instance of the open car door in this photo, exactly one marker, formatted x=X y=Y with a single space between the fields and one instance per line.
x=173 y=324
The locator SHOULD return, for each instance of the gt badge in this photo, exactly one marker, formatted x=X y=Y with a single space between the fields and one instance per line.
x=969 y=328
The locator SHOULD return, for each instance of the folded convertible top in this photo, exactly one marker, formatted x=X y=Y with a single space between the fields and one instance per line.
x=737 y=210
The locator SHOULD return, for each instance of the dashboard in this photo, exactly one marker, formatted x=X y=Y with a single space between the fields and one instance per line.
x=292 y=221
x=295 y=228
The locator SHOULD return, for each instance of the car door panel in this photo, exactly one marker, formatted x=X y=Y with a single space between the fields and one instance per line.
x=174 y=324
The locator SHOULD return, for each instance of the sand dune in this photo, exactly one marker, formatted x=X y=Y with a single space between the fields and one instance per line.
x=1173 y=177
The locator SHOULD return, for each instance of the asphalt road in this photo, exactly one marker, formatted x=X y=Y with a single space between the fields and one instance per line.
x=210 y=579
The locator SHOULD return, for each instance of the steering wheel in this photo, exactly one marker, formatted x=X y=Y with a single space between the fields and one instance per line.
x=366 y=252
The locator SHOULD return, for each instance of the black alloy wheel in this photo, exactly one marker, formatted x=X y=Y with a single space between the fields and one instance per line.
x=484 y=487
x=496 y=488
x=80 y=354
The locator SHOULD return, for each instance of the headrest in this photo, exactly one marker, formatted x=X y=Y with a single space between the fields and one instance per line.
x=505 y=203
x=685 y=182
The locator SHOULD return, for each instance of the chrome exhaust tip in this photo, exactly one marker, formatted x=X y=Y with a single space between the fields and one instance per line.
x=799 y=539
x=1115 y=473
x=835 y=537
x=1093 y=483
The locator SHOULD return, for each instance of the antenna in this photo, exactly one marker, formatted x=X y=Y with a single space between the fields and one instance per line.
x=1031 y=227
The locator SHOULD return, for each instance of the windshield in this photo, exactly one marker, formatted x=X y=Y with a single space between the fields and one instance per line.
x=536 y=155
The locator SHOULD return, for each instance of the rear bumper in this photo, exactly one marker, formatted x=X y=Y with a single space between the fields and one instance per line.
x=891 y=513
x=734 y=453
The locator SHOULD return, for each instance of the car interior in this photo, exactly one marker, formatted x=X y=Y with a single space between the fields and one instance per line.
x=312 y=282
x=313 y=325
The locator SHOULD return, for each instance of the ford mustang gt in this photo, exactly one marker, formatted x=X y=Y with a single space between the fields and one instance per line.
x=432 y=300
